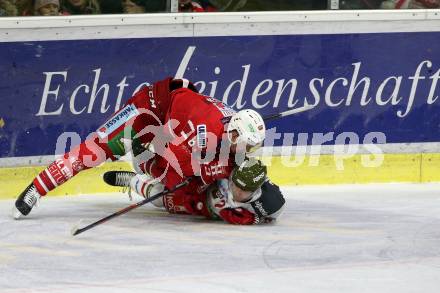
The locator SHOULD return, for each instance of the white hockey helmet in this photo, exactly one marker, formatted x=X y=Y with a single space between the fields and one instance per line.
x=250 y=128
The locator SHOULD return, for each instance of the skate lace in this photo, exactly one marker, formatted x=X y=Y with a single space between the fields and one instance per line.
x=32 y=196
x=127 y=189
x=123 y=179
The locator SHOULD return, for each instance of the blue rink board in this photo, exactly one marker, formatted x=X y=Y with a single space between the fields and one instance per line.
x=256 y=63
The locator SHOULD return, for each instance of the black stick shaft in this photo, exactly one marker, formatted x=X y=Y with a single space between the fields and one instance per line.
x=272 y=116
x=304 y=108
x=130 y=207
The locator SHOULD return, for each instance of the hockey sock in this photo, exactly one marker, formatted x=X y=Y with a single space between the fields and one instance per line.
x=88 y=154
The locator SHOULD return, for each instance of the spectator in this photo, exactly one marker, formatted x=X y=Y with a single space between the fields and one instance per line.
x=8 y=8
x=393 y=4
x=424 y=4
x=133 y=6
x=25 y=7
x=228 y=5
x=359 y=4
x=143 y=6
x=411 y=4
x=208 y=6
x=76 y=7
x=47 y=7
x=190 y=6
x=110 y=6
x=264 y=5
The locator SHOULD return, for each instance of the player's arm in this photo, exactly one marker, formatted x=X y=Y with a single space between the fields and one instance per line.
x=238 y=216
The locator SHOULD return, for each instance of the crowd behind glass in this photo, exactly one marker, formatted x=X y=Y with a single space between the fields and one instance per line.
x=78 y=7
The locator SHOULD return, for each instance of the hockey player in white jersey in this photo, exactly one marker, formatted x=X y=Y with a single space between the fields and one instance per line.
x=247 y=197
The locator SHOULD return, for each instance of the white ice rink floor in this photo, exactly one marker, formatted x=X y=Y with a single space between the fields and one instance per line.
x=374 y=238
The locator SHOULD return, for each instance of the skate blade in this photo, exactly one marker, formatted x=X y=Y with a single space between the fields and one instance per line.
x=16 y=214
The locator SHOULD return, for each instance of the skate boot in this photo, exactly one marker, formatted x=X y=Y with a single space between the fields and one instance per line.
x=25 y=202
x=141 y=184
x=118 y=178
x=121 y=179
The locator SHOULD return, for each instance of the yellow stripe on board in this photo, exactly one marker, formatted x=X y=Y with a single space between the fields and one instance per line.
x=330 y=169
x=14 y=180
x=324 y=169
x=431 y=168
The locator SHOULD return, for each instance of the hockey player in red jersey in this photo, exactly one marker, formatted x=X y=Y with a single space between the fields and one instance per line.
x=246 y=197
x=192 y=134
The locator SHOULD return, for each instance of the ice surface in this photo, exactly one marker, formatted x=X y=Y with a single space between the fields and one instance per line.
x=365 y=238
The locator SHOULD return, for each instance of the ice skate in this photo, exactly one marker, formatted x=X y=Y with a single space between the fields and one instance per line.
x=141 y=184
x=26 y=201
x=118 y=178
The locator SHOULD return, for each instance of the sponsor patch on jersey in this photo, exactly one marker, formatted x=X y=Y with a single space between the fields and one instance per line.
x=226 y=111
x=258 y=206
x=222 y=107
x=270 y=202
x=117 y=120
x=201 y=135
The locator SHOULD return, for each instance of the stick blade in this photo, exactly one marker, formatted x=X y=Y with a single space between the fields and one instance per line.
x=75 y=229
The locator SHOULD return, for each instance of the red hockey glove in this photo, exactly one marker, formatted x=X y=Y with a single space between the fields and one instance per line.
x=186 y=201
x=237 y=216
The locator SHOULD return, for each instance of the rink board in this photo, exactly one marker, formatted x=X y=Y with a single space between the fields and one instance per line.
x=377 y=75
x=373 y=81
x=412 y=168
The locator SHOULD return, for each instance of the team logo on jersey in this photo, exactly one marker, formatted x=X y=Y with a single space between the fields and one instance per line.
x=117 y=120
x=77 y=165
x=201 y=135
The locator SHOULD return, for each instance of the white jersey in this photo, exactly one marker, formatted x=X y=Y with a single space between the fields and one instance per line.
x=266 y=203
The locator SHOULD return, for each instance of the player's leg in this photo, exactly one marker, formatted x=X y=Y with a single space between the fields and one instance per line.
x=88 y=154
x=107 y=143
x=188 y=199
x=141 y=183
x=185 y=200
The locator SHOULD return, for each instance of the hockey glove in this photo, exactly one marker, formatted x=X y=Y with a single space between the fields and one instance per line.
x=237 y=216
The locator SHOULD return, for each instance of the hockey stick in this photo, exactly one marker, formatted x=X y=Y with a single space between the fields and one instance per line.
x=76 y=230
x=304 y=108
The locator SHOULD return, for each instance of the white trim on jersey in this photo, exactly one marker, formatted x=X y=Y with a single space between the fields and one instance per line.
x=51 y=178
x=185 y=83
x=42 y=183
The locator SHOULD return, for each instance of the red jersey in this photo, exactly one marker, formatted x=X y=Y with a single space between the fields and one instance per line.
x=194 y=128
x=201 y=127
